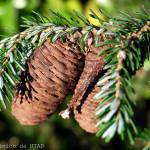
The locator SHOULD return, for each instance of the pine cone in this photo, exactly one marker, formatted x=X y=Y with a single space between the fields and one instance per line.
x=82 y=100
x=53 y=70
x=86 y=115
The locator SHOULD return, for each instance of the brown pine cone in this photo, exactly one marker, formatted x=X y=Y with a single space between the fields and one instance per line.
x=53 y=70
x=82 y=100
x=86 y=115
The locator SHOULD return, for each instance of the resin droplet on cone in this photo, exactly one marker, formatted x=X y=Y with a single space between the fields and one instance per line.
x=54 y=69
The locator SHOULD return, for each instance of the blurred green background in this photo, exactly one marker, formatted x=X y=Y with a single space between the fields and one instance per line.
x=55 y=133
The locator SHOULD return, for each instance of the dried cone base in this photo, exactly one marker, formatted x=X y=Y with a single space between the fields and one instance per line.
x=86 y=116
x=53 y=70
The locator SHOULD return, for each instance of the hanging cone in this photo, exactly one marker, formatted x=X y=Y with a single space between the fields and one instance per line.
x=86 y=115
x=82 y=101
x=53 y=70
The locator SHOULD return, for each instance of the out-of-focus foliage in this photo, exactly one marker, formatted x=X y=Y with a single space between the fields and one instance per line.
x=57 y=134
x=9 y=25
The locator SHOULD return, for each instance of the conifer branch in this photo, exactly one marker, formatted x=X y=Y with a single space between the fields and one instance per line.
x=127 y=50
x=125 y=57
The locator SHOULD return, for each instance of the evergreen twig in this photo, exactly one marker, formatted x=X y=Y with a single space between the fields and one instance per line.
x=125 y=57
x=128 y=49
